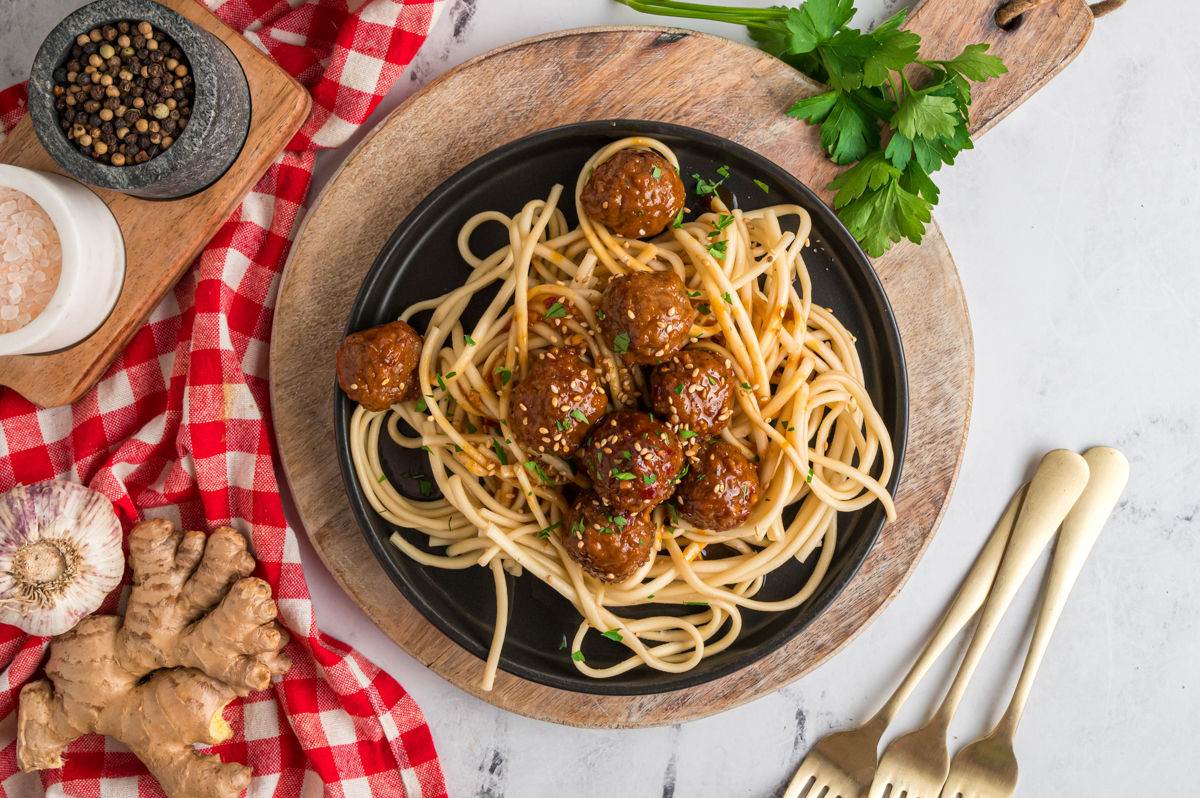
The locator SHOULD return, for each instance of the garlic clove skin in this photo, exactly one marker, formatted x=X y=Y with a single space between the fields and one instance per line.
x=60 y=555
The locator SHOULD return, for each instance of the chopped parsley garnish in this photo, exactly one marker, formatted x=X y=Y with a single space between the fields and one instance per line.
x=671 y=511
x=577 y=656
x=649 y=479
x=727 y=298
x=717 y=249
x=623 y=475
x=442 y=383
x=678 y=219
x=810 y=475
x=505 y=374
x=679 y=388
x=563 y=645
x=618 y=521
x=578 y=415
x=704 y=310
x=712 y=380
x=723 y=221
x=578 y=527
x=621 y=343
x=613 y=634
x=471 y=429
x=499 y=452
x=556 y=311
x=746 y=385
x=383 y=478
x=696 y=603
x=536 y=468
x=723 y=171
x=684 y=434
x=600 y=314
x=470 y=341
x=766 y=189
x=426 y=449
x=426 y=487
x=421 y=405
x=704 y=187
x=545 y=533
x=694 y=294
x=656 y=173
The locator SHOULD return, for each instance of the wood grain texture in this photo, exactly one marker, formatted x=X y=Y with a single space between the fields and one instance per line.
x=651 y=73
x=162 y=238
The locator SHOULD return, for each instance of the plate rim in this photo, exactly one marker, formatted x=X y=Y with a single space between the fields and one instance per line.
x=833 y=227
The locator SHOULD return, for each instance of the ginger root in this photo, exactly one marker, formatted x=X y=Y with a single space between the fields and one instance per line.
x=198 y=631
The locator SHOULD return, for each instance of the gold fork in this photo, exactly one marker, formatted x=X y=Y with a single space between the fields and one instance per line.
x=917 y=763
x=844 y=762
x=987 y=768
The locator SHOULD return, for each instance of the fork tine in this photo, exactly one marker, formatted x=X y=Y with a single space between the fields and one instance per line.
x=804 y=774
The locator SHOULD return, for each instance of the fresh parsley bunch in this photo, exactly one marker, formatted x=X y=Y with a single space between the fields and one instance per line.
x=895 y=135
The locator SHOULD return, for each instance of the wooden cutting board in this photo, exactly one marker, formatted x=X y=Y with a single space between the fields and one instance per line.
x=669 y=75
x=155 y=261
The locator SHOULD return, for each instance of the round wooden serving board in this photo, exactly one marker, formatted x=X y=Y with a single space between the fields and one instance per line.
x=629 y=73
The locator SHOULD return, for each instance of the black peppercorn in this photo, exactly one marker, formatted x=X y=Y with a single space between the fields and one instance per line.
x=132 y=116
x=95 y=121
x=156 y=56
x=143 y=54
x=90 y=48
x=123 y=27
x=107 y=127
x=83 y=79
x=109 y=32
x=76 y=51
x=60 y=75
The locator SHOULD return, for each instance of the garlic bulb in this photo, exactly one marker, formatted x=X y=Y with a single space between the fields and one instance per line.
x=60 y=555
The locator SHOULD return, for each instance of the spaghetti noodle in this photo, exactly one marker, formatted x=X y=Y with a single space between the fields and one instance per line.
x=802 y=413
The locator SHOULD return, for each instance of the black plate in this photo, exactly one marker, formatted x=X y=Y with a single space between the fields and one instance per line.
x=421 y=261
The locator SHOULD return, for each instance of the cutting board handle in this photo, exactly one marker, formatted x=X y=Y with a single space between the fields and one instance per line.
x=1040 y=43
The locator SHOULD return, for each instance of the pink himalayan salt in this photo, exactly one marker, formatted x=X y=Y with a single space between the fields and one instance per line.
x=30 y=259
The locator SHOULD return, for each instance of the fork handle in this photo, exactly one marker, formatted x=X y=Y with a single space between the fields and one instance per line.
x=1109 y=473
x=970 y=598
x=1060 y=478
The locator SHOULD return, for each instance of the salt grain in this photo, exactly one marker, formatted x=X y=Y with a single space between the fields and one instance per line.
x=32 y=260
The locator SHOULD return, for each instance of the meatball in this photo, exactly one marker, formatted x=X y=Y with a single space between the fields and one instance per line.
x=633 y=460
x=645 y=316
x=376 y=367
x=694 y=392
x=608 y=544
x=557 y=403
x=635 y=193
x=719 y=490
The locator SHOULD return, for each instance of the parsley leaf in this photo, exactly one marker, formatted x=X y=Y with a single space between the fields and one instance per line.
x=696 y=603
x=677 y=223
x=766 y=189
x=684 y=434
x=613 y=634
x=470 y=341
x=505 y=374
x=705 y=187
x=973 y=63
x=649 y=479
x=577 y=656
x=545 y=533
x=500 y=453
x=704 y=310
x=564 y=643
x=726 y=297
x=624 y=476
x=579 y=416
x=723 y=171
x=656 y=173
x=717 y=249
x=621 y=343
x=927 y=116
x=556 y=311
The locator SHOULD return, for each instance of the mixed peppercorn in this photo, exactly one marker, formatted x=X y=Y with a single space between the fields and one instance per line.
x=126 y=93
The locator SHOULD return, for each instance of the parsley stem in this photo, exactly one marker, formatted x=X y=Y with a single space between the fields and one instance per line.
x=661 y=6
x=733 y=16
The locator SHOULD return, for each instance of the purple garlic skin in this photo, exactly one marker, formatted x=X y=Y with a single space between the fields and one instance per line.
x=60 y=555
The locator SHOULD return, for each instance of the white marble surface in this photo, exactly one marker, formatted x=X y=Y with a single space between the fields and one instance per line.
x=1073 y=226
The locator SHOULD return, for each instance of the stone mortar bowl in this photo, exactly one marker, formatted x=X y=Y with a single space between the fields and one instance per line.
x=204 y=150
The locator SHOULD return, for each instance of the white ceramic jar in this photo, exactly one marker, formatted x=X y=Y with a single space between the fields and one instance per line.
x=93 y=263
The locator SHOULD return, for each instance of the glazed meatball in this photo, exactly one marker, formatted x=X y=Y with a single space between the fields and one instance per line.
x=633 y=460
x=557 y=403
x=719 y=490
x=635 y=194
x=376 y=367
x=645 y=316
x=693 y=391
x=608 y=544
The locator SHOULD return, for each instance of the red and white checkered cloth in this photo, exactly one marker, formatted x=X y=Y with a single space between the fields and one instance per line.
x=178 y=428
